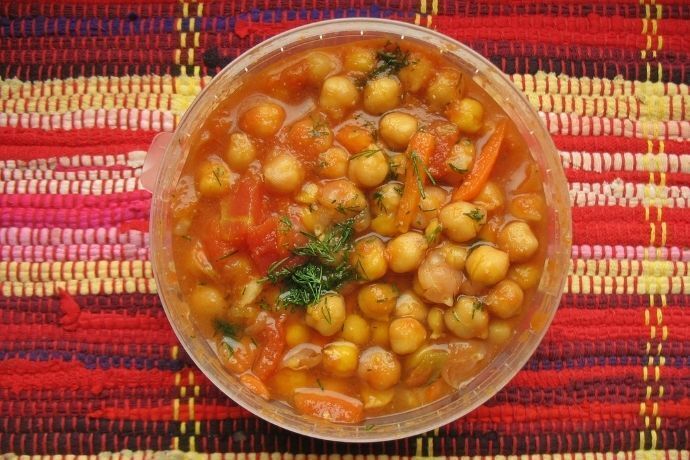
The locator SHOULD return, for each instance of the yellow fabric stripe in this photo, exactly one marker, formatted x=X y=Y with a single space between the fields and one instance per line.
x=658 y=285
x=108 y=286
x=27 y=272
x=629 y=268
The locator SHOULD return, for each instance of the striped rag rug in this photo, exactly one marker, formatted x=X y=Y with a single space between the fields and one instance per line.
x=88 y=362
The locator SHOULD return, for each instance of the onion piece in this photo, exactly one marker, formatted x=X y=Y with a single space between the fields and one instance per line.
x=303 y=356
x=465 y=359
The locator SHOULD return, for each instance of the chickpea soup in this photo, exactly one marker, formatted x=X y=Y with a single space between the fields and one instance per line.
x=358 y=230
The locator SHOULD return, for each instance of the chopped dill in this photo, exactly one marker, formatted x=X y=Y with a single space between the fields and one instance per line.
x=378 y=198
x=224 y=328
x=325 y=270
x=390 y=60
x=284 y=224
x=433 y=235
x=217 y=173
x=318 y=382
x=369 y=427
x=326 y=311
x=227 y=254
x=186 y=237
x=365 y=153
x=478 y=305
x=319 y=127
x=417 y=162
x=476 y=215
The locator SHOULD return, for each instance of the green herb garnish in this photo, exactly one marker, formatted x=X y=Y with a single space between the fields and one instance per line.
x=284 y=224
x=227 y=254
x=378 y=198
x=224 y=328
x=318 y=382
x=478 y=305
x=365 y=153
x=417 y=162
x=217 y=173
x=390 y=61
x=319 y=127
x=476 y=215
x=326 y=269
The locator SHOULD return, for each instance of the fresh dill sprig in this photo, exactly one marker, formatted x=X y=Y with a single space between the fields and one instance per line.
x=326 y=269
x=378 y=198
x=417 y=164
x=365 y=153
x=319 y=127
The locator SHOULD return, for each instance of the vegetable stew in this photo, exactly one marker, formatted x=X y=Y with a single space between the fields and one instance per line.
x=358 y=230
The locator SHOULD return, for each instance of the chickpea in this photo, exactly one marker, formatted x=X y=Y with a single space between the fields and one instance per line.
x=319 y=65
x=500 y=331
x=384 y=224
x=462 y=156
x=462 y=220
x=362 y=221
x=310 y=136
x=333 y=163
x=456 y=255
x=528 y=206
x=398 y=165
x=369 y=258
x=368 y=168
x=472 y=288
x=436 y=322
x=429 y=205
x=373 y=399
x=505 y=299
x=467 y=319
x=518 y=241
x=263 y=120
x=443 y=88
x=343 y=196
x=327 y=315
x=387 y=198
x=213 y=179
x=417 y=73
x=409 y=305
x=283 y=173
x=526 y=275
x=377 y=300
x=379 y=333
x=491 y=196
x=379 y=368
x=357 y=59
x=406 y=335
x=356 y=329
x=487 y=265
x=308 y=193
x=382 y=95
x=396 y=129
x=433 y=230
x=206 y=303
x=489 y=232
x=406 y=252
x=296 y=333
x=467 y=114
x=241 y=152
x=338 y=95
x=340 y=358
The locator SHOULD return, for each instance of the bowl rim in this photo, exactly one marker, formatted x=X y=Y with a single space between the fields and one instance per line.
x=363 y=26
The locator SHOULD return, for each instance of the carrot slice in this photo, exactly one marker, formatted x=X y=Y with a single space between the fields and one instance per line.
x=479 y=175
x=328 y=405
x=419 y=150
x=255 y=385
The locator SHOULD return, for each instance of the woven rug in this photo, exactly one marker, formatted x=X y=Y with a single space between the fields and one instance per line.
x=88 y=362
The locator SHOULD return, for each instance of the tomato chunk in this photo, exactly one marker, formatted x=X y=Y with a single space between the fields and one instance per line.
x=269 y=332
x=328 y=405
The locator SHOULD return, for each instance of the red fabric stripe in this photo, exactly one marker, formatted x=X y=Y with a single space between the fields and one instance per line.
x=615 y=144
x=457 y=29
x=140 y=330
x=632 y=233
x=201 y=412
x=674 y=217
x=29 y=144
x=45 y=201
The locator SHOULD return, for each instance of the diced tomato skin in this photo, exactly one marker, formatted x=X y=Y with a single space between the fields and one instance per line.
x=269 y=331
x=263 y=244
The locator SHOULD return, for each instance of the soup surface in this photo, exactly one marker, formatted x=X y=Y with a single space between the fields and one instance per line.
x=358 y=230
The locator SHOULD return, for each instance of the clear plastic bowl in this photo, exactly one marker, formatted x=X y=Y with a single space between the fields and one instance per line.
x=172 y=152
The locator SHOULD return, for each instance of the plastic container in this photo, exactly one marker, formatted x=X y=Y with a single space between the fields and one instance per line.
x=169 y=152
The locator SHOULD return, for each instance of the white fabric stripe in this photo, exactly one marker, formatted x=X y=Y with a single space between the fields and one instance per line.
x=83 y=175
x=15 y=236
x=573 y=125
x=155 y=120
x=74 y=252
x=626 y=161
x=107 y=286
x=620 y=193
x=133 y=159
x=599 y=252
x=68 y=187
